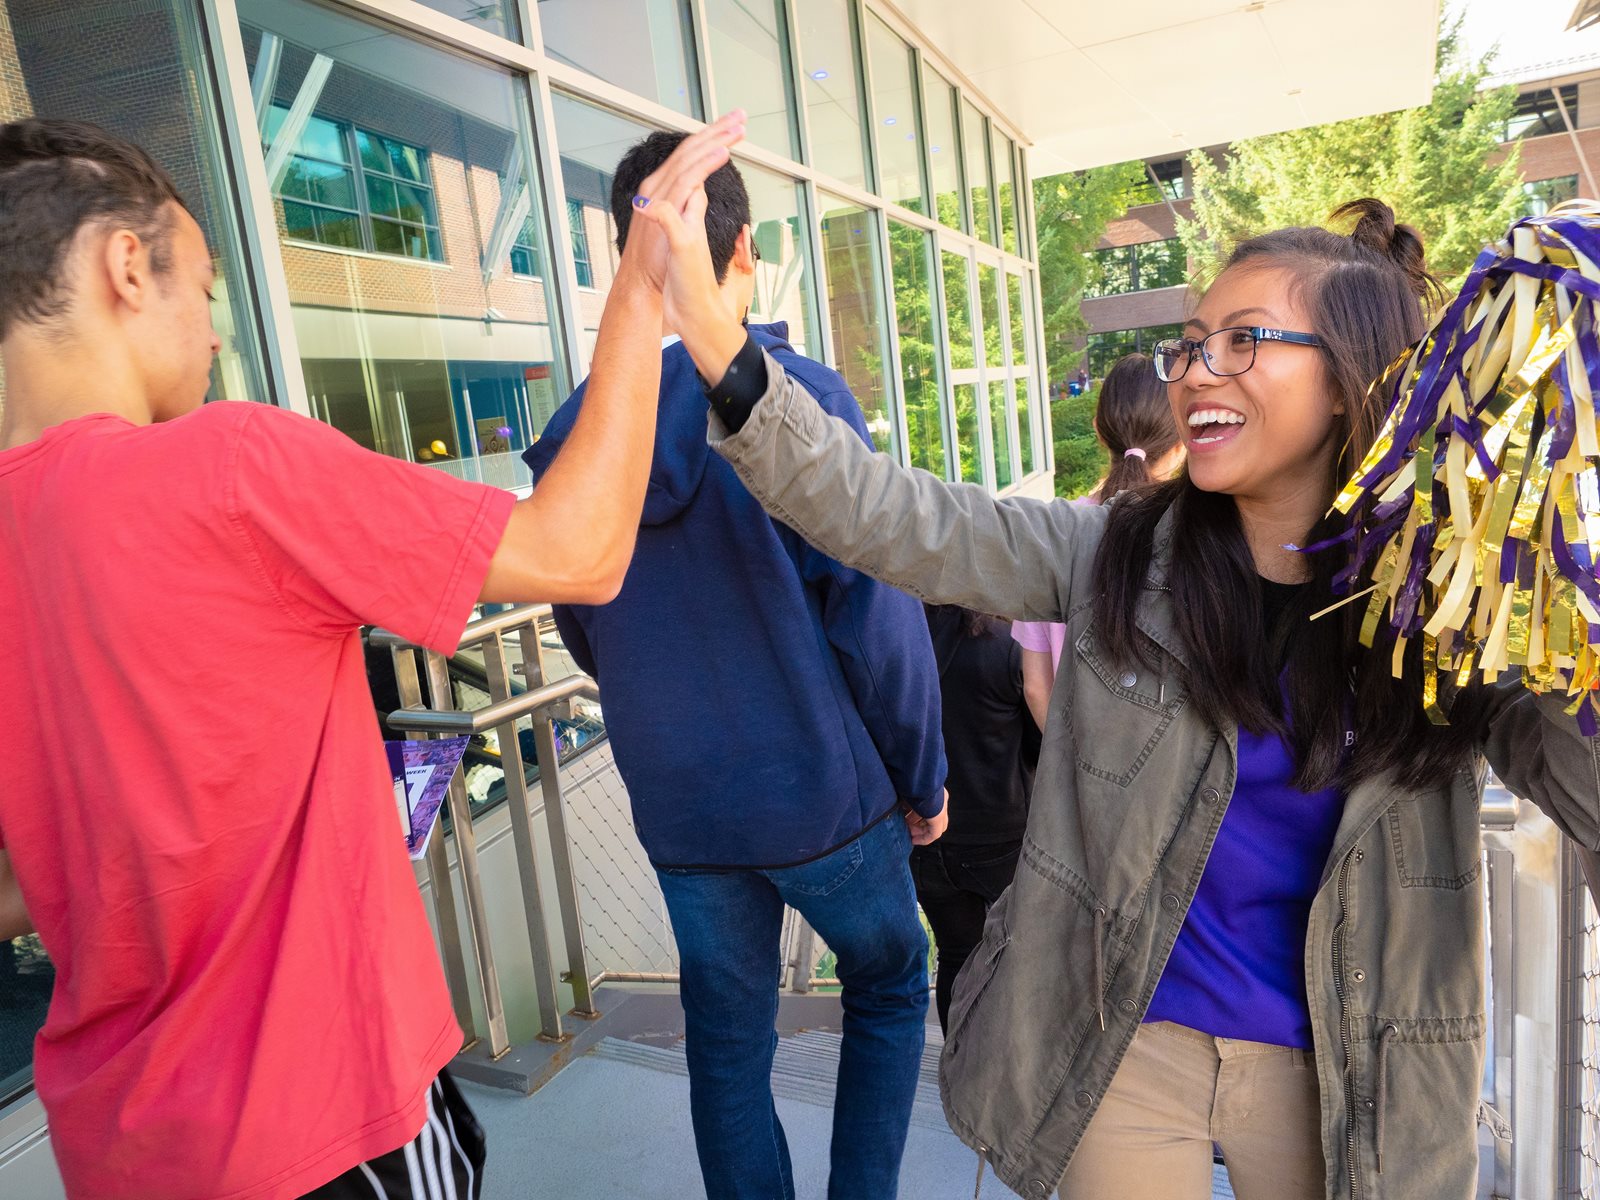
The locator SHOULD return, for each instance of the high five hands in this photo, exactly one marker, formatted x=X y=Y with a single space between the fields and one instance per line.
x=673 y=197
x=675 y=212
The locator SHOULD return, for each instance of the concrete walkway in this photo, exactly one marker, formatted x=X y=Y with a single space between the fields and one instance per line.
x=614 y=1125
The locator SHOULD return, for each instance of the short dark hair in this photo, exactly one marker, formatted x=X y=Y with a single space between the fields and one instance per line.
x=727 y=201
x=56 y=177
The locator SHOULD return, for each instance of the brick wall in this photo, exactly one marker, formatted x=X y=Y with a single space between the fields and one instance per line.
x=1146 y=223
x=1552 y=156
x=14 y=99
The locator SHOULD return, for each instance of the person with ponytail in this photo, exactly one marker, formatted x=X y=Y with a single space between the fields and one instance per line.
x=1134 y=424
x=1248 y=909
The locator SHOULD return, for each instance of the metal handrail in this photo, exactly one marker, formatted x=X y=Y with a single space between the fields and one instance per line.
x=455 y=722
x=503 y=713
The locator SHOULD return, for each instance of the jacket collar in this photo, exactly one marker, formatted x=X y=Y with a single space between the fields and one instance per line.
x=1155 y=617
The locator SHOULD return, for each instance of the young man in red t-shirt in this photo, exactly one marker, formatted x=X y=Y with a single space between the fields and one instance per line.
x=197 y=809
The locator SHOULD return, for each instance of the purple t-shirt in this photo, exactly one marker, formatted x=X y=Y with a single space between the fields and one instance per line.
x=1238 y=967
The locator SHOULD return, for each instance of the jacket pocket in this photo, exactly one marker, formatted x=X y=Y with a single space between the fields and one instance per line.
x=1132 y=705
x=974 y=980
x=1436 y=843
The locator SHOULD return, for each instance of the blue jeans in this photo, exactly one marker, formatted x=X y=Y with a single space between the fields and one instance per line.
x=860 y=900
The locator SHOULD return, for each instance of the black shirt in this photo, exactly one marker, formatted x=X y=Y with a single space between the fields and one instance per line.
x=989 y=738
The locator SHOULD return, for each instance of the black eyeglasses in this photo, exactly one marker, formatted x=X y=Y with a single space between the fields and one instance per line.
x=1226 y=352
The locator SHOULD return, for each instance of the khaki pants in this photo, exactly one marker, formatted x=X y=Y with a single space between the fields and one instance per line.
x=1178 y=1091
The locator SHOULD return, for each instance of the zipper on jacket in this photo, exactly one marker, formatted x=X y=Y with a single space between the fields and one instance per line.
x=1344 y=1029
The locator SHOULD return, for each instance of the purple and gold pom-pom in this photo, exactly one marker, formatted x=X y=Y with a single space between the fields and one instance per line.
x=1475 y=519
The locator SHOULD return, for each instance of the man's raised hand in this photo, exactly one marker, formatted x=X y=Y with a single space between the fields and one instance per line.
x=670 y=188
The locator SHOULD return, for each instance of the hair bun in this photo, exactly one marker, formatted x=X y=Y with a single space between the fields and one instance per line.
x=1376 y=230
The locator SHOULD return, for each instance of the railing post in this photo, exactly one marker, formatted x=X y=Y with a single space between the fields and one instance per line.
x=555 y=815
x=409 y=686
x=498 y=670
x=471 y=878
x=804 y=949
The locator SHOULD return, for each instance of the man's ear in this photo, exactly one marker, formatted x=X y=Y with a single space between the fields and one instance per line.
x=125 y=261
x=744 y=255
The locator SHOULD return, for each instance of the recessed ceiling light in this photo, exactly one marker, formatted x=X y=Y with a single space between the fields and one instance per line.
x=890 y=120
x=819 y=73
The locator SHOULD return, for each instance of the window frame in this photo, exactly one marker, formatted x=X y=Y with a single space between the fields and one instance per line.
x=356 y=167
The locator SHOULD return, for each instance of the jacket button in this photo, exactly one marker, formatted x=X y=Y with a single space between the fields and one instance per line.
x=1360 y=854
x=1039 y=1187
x=1128 y=1006
x=1084 y=1099
x=1358 y=975
x=1366 y=1103
x=1211 y=795
x=1170 y=902
x=1127 y=679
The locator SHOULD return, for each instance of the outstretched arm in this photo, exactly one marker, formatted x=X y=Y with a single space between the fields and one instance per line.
x=945 y=543
x=1539 y=753
x=572 y=539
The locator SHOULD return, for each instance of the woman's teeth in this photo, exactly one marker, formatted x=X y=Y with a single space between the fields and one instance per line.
x=1212 y=420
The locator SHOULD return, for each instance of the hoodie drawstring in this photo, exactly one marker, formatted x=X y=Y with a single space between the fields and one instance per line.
x=1100 y=965
x=1385 y=1036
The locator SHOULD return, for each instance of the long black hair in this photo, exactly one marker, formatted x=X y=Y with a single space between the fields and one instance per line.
x=1134 y=420
x=1365 y=294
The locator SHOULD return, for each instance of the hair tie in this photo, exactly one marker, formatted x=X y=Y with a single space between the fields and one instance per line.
x=1136 y=452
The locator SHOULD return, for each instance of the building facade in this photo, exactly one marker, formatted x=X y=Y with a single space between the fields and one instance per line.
x=408 y=204
x=1138 y=290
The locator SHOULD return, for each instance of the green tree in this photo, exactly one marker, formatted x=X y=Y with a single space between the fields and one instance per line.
x=1439 y=167
x=1073 y=211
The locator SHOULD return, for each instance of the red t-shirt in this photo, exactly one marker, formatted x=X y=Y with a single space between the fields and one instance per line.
x=196 y=801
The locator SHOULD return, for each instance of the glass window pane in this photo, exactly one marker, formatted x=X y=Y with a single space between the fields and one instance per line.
x=750 y=67
x=989 y=298
x=1027 y=427
x=894 y=107
x=975 y=136
x=155 y=91
x=1019 y=338
x=592 y=141
x=958 y=308
x=642 y=45
x=321 y=139
x=939 y=102
x=437 y=364
x=966 y=400
x=1005 y=188
x=497 y=16
x=911 y=259
x=143 y=74
x=999 y=435
x=783 y=282
x=855 y=301
x=957 y=302
x=826 y=46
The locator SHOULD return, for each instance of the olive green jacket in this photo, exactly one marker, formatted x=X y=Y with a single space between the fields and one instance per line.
x=1131 y=789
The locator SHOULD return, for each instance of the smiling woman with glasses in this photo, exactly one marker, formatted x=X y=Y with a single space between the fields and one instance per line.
x=1248 y=908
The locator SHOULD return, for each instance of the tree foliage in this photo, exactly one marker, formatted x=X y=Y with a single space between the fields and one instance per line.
x=1440 y=167
x=1073 y=211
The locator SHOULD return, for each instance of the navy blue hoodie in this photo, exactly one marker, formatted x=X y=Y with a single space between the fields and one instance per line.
x=765 y=704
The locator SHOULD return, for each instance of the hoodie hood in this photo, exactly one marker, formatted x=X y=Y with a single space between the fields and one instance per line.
x=678 y=462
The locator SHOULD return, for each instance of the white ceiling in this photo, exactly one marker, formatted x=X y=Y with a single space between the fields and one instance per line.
x=1099 y=81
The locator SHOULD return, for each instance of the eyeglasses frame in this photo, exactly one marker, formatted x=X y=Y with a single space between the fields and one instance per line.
x=1259 y=333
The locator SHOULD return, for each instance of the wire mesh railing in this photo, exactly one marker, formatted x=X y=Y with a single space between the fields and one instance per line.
x=1580 y=1038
